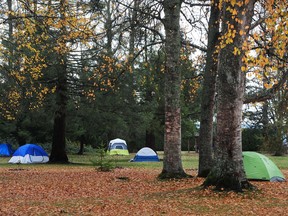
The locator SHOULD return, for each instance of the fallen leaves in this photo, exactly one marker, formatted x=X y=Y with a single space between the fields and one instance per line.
x=128 y=191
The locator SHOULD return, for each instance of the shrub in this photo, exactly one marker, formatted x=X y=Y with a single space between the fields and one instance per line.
x=102 y=162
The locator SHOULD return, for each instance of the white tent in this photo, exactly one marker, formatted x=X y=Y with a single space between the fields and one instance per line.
x=118 y=147
x=29 y=153
x=145 y=155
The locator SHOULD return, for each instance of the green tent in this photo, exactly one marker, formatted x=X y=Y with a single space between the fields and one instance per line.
x=260 y=167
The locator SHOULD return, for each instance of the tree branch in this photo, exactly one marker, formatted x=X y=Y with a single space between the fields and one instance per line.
x=266 y=94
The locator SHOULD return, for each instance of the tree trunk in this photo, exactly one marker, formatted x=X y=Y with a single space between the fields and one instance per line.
x=108 y=28
x=228 y=172
x=20 y=137
x=205 y=140
x=58 y=152
x=133 y=31
x=81 y=149
x=265 y=122
x=279 y=125
x=10 y=35
x=172 y=164
x=150 y=139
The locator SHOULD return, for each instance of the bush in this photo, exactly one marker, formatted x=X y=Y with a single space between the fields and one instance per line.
x=102 y=162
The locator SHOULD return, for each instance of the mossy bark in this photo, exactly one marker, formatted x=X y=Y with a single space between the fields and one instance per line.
x=172 y=164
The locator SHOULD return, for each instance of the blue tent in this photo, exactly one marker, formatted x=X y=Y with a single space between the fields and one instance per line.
x=29 y=153
x=145 y=155
x=6 y=150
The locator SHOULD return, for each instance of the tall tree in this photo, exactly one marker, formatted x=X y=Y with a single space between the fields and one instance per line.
x=172 y=163
x=208 y=94
x=58 y=152
x=45 y=36
x=228 y=172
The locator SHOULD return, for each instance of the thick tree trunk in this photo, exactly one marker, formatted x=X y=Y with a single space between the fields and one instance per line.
x=58 y=152
x=228 y=172
x=205 y=140
x=172 y=163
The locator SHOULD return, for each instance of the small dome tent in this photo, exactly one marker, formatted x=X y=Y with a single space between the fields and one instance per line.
x=29 y=153
x=145 y=155
x=6 y=150
x=260 y=167
x=118 y=147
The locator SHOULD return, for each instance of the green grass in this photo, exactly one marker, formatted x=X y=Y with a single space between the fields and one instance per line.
x=189 y=160
x=280 y=161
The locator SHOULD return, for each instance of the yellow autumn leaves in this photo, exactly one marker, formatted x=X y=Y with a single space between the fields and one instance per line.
x=39 y=31
x=266 y=45
x=270 y=44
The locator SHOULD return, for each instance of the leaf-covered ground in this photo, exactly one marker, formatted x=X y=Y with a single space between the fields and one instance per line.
x=77 y=191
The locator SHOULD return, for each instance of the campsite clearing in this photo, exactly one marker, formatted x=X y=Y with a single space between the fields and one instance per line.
x=46 y=189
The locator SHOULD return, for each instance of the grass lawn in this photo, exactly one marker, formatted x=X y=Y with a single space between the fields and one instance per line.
x=131 y=189
x=189 y=160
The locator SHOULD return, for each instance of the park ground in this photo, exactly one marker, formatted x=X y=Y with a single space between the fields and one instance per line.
x=131 y=189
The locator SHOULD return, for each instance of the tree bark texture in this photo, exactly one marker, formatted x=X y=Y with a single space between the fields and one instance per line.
x=228 y=172
x=172 y=163
x=58 y=152
x=205 y=141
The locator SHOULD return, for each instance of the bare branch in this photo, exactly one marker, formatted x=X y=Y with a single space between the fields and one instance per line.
x=266 y=94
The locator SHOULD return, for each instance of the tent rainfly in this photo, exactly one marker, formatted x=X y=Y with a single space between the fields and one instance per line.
x=6 y=150
x=259 y=167
x=118 y=147
x=145 y=155
x=29 y=153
